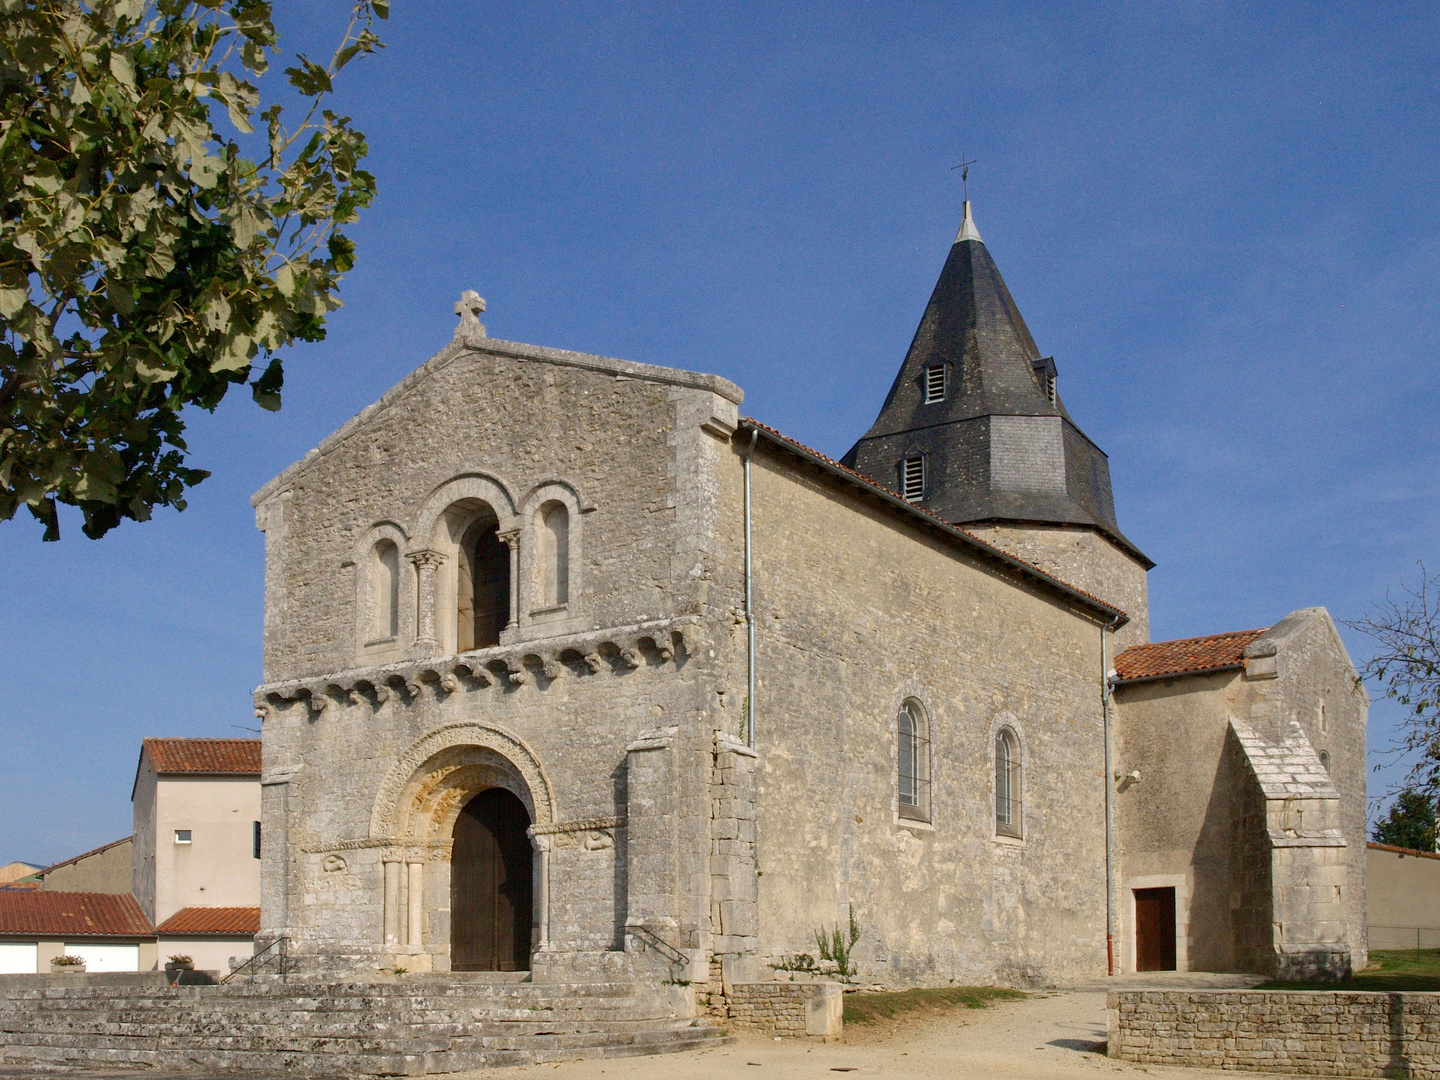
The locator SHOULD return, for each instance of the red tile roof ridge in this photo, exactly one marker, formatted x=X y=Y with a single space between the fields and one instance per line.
x=212 y=920
x=214 y=757
x=1185 y=656
x=71 y=914
x=1045 y=574
x=1401 y=850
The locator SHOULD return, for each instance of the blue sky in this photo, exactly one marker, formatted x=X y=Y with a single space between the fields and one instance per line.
x=1221 y=218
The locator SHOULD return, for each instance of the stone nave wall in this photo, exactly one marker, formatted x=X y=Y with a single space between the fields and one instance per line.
x=858 y=611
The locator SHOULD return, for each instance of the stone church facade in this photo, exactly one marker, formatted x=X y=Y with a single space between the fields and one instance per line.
x=569 y=666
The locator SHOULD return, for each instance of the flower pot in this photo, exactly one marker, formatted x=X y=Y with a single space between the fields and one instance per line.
x=66 y=969
x=179 y=967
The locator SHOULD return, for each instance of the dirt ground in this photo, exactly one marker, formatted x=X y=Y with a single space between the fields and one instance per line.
x=1051 y=1035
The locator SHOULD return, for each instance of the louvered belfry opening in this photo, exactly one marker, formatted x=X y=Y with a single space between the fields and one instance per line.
x=491 y=885
x=912 y=479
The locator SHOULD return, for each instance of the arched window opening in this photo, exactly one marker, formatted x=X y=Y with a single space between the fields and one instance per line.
x=1325 y=760
x=1009 y=786
x=385 y=591
x=914 y=762
x=553 y=543
x=483 y=592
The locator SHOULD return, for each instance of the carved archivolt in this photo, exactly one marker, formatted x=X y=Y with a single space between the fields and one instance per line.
x=426 y=788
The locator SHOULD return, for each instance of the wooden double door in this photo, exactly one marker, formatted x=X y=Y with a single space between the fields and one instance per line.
x=491 y=885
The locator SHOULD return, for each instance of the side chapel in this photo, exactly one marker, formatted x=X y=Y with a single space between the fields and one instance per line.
x=567 y=662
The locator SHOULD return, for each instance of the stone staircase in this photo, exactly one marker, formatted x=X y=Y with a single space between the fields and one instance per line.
x=412 y=1025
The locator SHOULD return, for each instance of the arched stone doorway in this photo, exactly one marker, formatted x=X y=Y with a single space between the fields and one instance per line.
x=466 y=795
x=491 y=885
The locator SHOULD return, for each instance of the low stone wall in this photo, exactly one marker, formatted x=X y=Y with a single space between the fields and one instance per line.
x=1316 y=1033
x=787 y=1008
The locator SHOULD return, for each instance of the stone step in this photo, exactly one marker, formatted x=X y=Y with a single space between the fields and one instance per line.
x=364 y=1027
x=413 y=1059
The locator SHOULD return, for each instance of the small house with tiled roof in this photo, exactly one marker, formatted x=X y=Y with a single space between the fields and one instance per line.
x=1240 y=808
x=197 y=826
x=108 y=931
x=571 y=667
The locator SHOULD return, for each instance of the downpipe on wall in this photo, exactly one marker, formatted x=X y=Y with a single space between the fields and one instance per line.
x=749 y=607
x=1105 y=689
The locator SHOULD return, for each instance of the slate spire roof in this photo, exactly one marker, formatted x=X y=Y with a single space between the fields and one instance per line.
x=997 y=441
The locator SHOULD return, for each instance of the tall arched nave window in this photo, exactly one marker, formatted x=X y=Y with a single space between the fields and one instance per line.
x=912 y=730
x=1009 y=784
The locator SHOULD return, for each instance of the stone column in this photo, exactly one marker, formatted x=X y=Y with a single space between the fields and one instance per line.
x=511 y=540
x=542 y=890
x=392 y=901
x=415 y=899
x=426 y=563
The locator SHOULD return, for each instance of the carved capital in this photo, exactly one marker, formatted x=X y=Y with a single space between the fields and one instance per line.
x=427 y=560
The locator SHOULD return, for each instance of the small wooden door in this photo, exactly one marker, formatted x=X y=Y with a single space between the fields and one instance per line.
x=1155 y=929
x=490 y=885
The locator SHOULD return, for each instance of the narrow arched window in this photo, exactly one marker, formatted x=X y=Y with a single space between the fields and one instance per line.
x=553 y=544
x=1325 y=760
x=483 y=600
x=385 y=591
x=913 y=766
x=1009 y=783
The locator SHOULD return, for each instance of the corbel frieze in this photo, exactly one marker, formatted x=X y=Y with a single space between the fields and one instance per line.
x=658 y=643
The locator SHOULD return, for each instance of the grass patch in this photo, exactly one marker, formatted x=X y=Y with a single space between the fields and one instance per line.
x=865 y=1007
x=1390 y=971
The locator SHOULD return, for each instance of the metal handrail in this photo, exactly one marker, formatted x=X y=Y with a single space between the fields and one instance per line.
x=659 y=944
x=282 y=941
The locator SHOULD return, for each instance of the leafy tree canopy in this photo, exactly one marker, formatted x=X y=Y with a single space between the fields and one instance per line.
x=1407 y=666
x=1410 y=823
x=146 y=263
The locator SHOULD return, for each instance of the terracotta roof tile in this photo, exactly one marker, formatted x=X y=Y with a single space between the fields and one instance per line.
x=217 y=757
x=72 y=915
x=1185 y=655
x=212 y=920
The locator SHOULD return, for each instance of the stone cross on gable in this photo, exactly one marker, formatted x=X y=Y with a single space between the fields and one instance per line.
x=469 y=308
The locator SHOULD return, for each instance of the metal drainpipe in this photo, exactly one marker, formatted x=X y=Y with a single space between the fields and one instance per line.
x=1109 y=860
x=749 y=606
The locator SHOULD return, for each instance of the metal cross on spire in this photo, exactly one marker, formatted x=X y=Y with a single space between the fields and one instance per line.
x=964 y=168
x=965 y=173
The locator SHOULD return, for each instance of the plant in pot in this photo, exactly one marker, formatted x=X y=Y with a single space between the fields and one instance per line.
x=67 y=964
x=180 y=962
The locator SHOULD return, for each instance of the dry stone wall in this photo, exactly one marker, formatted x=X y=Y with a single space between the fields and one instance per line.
x=1314 y=1034
x=787 y=1009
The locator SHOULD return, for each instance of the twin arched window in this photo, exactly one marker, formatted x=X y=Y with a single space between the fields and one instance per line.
x=1009 y=784
x=912 y=731
x=476 y=582
x=913 y=743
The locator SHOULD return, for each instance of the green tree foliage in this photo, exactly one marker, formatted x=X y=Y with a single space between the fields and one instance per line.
x=1410 y=823
x=1407 y=666
x=146 y=263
